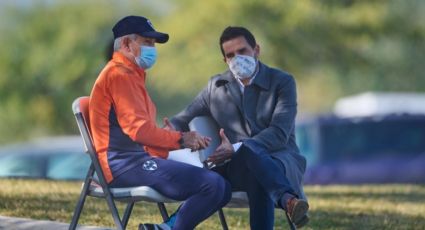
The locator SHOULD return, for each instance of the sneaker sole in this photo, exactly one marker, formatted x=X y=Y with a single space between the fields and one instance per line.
x=299 y=211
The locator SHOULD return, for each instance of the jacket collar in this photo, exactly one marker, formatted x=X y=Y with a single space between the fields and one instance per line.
x=121 y=59
x=262 y=79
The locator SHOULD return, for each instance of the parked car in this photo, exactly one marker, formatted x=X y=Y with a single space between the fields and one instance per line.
x=373 y=149
x=57 y=158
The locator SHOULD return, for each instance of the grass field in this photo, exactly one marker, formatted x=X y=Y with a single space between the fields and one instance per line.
x=332 y=207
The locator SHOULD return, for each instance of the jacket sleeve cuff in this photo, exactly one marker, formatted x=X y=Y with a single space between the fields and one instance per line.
x=236 y=146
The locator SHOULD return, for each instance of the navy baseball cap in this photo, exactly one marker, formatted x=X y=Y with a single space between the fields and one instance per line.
x=138 y=25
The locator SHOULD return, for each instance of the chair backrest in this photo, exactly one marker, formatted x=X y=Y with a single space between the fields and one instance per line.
x=80 y=107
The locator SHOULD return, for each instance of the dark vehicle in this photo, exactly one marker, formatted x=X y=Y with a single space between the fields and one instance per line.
x=381 y=149
x=57 y=158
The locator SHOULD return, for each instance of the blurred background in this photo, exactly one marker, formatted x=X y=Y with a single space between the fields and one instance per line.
x=52 y=51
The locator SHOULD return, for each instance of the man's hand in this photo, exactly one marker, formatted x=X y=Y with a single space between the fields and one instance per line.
x=167 y=124
x=223 y=152
x=195 y=141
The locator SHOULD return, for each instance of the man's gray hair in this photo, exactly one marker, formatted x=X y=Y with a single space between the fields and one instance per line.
x=117 y=41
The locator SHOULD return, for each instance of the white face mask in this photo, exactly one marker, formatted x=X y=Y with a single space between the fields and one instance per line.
x=242 y=66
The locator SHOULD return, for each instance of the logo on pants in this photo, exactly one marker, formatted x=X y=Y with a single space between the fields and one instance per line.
x=150 y=165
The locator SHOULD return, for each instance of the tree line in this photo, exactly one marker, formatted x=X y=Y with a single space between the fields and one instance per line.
x=51 y=53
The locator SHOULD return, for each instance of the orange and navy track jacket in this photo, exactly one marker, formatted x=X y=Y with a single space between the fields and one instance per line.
x=123 y=119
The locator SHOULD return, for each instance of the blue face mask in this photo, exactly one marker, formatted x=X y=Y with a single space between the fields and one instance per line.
x=147 y=57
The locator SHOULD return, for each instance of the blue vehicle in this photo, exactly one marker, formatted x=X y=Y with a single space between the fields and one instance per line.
x=55 y=158
x=375 y=149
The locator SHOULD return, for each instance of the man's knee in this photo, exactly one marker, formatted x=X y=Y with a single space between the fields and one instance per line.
x=242 y=155
x=210 y=179
x=250 y=151
x=220 y=187
x=253 y=146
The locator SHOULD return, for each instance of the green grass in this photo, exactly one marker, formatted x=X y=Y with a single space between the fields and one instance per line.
x=332 y=207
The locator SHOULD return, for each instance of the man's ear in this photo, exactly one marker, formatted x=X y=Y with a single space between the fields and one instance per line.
x=125 y=43
x=257 y=51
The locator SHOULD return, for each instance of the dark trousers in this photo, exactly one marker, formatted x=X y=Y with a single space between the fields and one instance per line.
x=262 y=177
x=204 y=191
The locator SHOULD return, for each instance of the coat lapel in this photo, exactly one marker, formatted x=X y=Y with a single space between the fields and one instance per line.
x=233 y=90
x=262 y=79
x=235 y=93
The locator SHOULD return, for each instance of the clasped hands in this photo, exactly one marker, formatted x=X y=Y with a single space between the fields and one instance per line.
x=191 y=139
x=195 y=142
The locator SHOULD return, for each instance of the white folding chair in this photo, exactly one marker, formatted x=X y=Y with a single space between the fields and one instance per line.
x=97 y=187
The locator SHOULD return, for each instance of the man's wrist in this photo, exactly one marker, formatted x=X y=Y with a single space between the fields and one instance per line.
x=181 y=141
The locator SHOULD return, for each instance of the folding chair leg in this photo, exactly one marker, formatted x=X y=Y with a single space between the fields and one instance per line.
x=127 y=214
x=291 y=225
x=82 y=199
x=222 y=219
x=163 y=211
x=114 y=212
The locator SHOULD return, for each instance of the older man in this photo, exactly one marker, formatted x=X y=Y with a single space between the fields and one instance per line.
x=130 y=146
x=255 y=105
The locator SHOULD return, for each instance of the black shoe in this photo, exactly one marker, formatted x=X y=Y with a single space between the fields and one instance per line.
x=296 y=209
x=304 y=220
x=152 y=227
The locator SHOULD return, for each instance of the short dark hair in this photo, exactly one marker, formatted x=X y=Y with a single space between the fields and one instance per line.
x=232 y=32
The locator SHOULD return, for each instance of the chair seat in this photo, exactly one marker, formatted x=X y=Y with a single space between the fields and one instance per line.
x=146 y=193
x=140 y=193
x=239 y=200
